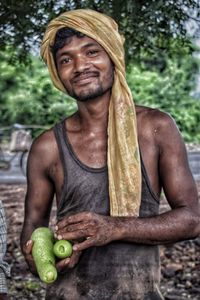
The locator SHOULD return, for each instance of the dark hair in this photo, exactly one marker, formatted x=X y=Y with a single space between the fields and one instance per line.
x=62 y=37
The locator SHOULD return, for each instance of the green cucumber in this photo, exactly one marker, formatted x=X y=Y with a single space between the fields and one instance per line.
x=43 y=255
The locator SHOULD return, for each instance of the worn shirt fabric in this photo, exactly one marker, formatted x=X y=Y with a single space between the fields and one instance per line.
x=123 y=159
x=118 y=270
x=4 y=267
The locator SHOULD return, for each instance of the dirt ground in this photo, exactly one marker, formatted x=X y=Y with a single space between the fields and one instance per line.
x=180 y=262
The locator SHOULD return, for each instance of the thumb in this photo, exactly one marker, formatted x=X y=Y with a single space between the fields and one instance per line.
x=28 y=247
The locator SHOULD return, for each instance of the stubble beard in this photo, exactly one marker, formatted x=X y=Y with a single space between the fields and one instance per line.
x=91 y=93
x=88 y=95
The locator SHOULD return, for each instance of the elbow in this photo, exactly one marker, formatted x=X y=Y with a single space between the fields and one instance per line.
x=193 y=225
x=197 y=230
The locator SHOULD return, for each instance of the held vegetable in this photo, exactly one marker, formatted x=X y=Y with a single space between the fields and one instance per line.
x=62 y=249
x=44 y=251
x=43 y=254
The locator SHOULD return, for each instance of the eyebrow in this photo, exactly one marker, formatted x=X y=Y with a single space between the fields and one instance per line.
x=83 y=47
x=90 y=45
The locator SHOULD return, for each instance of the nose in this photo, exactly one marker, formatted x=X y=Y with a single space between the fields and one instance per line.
x=80 y=64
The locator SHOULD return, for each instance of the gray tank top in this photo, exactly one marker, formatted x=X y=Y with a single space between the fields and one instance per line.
x=118 y=270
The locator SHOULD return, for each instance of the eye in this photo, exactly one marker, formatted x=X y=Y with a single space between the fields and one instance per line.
x=92 y=52
x=65 y=60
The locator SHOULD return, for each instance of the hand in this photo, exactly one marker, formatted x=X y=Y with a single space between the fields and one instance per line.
x=92 y=229
x=27 y=250
x=69 y=262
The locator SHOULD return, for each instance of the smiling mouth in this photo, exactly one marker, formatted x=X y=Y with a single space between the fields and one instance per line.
x=84 y=78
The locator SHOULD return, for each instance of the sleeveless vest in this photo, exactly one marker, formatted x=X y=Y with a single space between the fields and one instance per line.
x=119 y=270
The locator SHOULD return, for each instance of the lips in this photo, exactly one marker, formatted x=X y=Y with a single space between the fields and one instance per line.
x=84 y=78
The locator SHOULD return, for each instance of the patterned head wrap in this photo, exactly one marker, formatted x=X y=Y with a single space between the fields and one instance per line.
x=123 y=153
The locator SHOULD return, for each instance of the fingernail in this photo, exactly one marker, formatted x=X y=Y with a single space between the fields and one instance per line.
x=75 y=248
x=56 y=227
x=67 y=260
x=59 y=237
x=28 y=243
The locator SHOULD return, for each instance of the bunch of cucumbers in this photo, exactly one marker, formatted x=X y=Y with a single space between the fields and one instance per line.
x=45 y=252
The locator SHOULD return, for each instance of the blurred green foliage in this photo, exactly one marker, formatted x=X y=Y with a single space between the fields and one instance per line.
x=165 y=81
x=27 y=95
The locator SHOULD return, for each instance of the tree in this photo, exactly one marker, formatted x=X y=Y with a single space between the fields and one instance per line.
x=27 y=95
x=168 y=85
x=22 y=24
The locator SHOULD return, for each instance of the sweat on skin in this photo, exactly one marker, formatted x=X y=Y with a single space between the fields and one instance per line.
x=75 y=169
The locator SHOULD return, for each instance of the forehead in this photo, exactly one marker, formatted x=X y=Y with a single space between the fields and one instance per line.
x=74 y=44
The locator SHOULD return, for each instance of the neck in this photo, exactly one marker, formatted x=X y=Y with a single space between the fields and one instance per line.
x=93 y=114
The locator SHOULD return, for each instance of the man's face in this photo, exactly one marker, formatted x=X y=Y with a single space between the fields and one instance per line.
x=84 y=68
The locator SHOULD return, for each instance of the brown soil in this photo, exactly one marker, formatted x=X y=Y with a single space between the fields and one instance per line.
x=180 y=264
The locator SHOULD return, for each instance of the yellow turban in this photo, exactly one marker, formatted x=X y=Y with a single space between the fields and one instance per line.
x=123 y=153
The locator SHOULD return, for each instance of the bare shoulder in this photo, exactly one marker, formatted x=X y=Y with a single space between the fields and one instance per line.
x=44 y=147
x=158 y=125
x=44 y=140
x=153 y=117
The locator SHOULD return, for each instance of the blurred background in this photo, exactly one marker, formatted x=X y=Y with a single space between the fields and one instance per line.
x=162 y=43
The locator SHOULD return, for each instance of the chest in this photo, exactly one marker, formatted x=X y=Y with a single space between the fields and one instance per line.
x=91 y=150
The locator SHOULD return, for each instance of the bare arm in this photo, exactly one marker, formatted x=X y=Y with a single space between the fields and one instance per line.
x=181 y=222
x=39 y=197
x=40 y=192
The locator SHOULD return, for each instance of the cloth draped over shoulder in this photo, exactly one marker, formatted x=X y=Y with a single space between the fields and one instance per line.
x=123 y=157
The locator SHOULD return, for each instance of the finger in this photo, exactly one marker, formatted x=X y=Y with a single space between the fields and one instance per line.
x=74 y=258
x=28 y=247
x=32 y=267
x=68 y=262
x=68 y=220
x=72 y=236
x=73 y=219
x=75 y=227
x=89 y=242
x=62 y=264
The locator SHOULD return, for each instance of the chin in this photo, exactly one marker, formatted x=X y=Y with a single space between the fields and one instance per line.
x=88 y=95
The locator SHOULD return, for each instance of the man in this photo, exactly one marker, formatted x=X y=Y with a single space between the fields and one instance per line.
x=107 y=187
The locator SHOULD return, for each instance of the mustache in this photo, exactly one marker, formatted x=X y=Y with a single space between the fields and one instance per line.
x=83 y=75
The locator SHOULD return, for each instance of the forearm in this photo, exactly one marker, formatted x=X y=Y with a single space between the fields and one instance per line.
x=98 y=230
x=175 y=225
x=26 y=234
x=28 y=227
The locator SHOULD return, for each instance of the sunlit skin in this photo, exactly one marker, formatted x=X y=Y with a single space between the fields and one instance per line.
x=84 y=68
x=87 y=74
